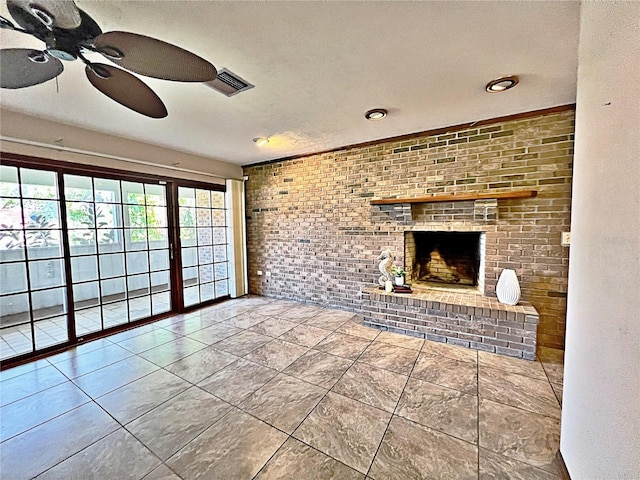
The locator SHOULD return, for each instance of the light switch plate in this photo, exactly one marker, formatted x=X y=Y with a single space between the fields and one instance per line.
x=565 y=240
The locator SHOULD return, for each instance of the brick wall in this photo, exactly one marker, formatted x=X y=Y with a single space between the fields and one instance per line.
x=311 y=224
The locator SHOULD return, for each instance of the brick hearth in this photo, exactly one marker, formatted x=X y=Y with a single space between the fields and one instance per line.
x=468 y=320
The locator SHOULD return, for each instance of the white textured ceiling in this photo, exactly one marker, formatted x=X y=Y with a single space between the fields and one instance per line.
x=317 y=67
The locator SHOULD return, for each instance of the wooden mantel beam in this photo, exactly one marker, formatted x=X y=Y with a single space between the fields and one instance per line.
x=457 y=197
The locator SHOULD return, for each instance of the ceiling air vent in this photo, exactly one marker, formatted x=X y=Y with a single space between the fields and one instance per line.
x=228 y=83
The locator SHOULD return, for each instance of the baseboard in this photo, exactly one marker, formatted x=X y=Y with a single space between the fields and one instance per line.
x=562 y=467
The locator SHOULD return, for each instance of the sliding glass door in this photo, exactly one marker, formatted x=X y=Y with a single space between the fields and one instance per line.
x=203 y=241
x=84 y=252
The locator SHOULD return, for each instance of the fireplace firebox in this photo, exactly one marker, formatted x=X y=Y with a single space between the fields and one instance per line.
x=444 y=258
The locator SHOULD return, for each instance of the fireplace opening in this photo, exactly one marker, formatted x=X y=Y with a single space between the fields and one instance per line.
x=449 y=258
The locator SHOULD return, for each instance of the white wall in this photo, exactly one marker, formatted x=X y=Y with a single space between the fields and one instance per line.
x=600 y=436
x=26 y=135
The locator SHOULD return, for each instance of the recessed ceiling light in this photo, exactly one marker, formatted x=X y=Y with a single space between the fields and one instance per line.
x=260 y=141
x=501 y=84
x=376 y=114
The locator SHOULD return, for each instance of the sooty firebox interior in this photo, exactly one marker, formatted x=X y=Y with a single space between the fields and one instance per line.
x=446 y=257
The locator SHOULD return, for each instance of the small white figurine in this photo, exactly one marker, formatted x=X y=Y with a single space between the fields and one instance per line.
x=386 y=264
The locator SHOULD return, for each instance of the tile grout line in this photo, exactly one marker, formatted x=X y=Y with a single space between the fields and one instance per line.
x=237 y=406
x=93 y=400
x=394 y=411
x=513 y=406
x=124 y=427
x=163 y=462
x=544 y=369
x=328 y=390
x=478 y=407
x=324 y=396
x=52 y=418
x=304 y=443
x=518 y=408
x=290 y=435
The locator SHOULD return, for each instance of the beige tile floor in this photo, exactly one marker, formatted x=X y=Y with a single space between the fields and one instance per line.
x=257 y=388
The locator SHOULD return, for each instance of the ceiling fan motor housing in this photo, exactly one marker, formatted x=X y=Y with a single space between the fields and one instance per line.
x=62 y=48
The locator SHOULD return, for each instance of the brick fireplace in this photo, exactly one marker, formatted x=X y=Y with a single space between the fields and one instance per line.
x=313 y=225
x=447 y=248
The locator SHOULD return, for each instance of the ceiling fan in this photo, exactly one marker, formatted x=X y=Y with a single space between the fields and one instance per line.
x=70 y=34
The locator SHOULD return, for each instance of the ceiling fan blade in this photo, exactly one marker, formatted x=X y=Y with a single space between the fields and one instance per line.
x=126 y=89
x=53 y=13
x=154 y=58
x=24 y=67
x=4 y=23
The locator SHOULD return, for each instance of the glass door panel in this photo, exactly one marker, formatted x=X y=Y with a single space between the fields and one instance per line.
x=83 y=217
x=33 y=297
x=118 y=238
x=203 y=238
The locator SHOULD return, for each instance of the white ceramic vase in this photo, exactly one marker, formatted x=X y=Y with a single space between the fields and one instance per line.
x=399 y=281
x=508 y=287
